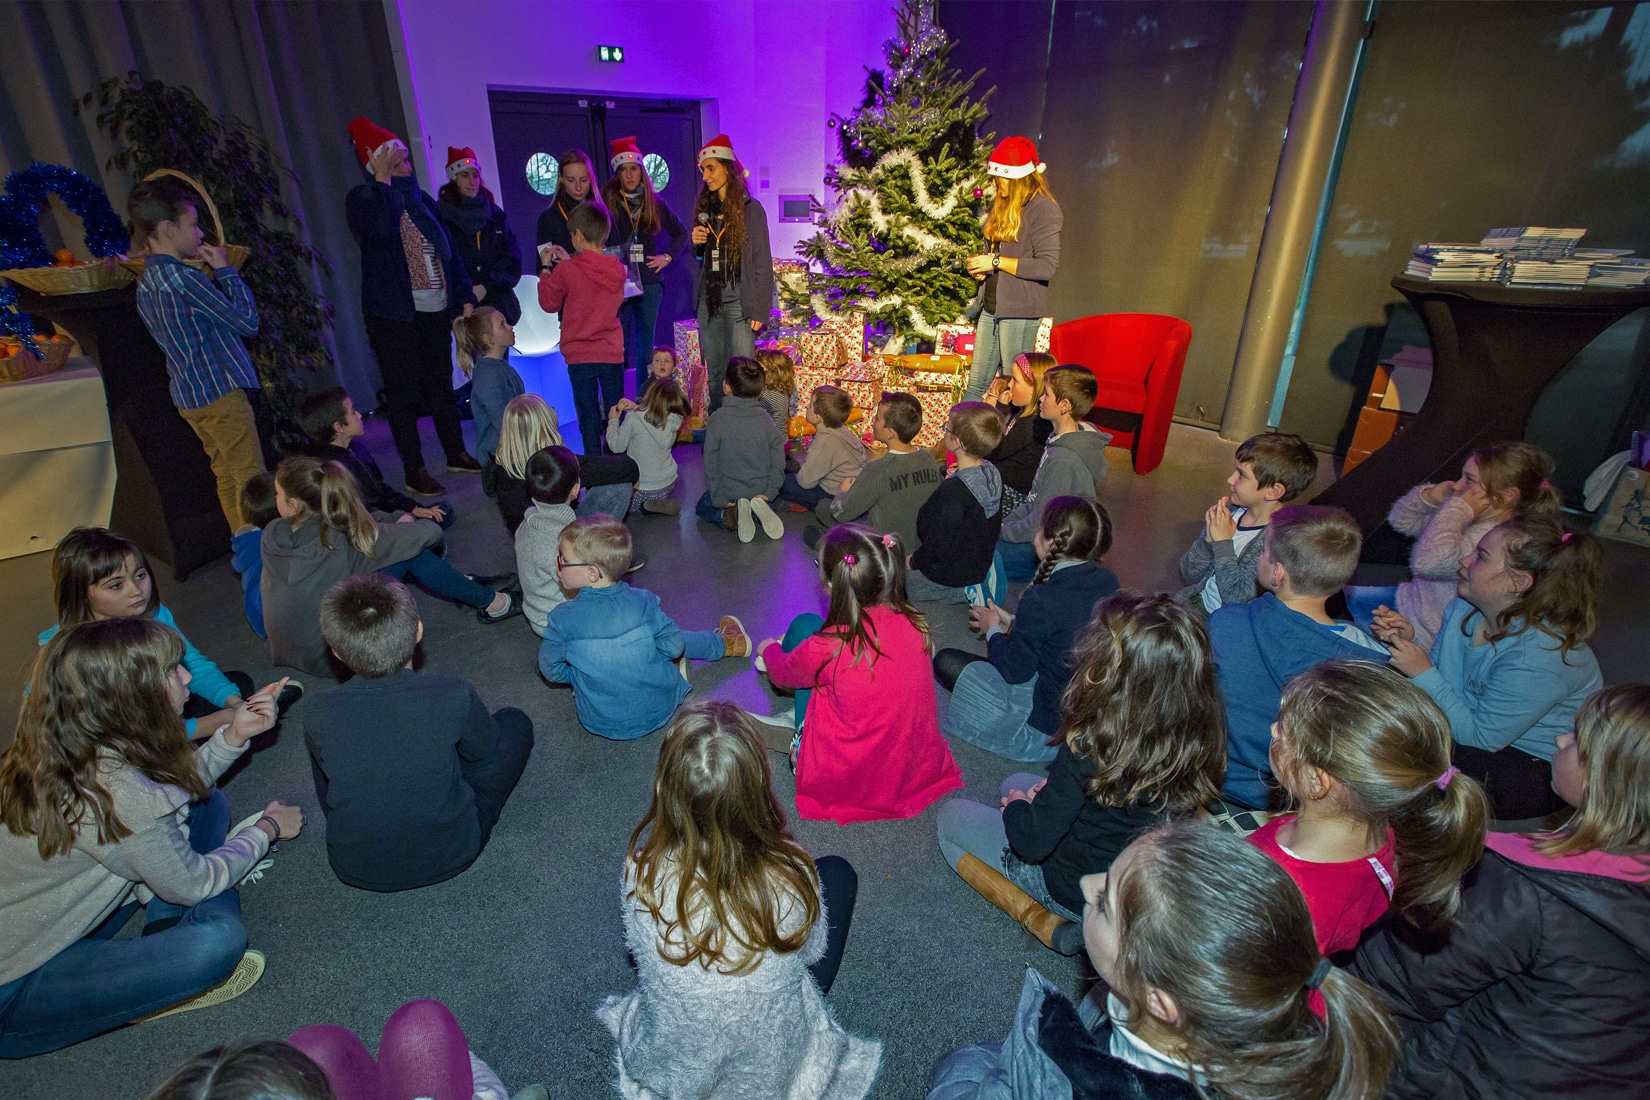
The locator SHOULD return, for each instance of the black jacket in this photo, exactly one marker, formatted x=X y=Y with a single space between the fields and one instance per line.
x=374 y=212
x=1049 y=617
x=755 y=267
x=1542 y=989
x=552 y=226
x=1068 y=833
x=669 y=224
x=955 y=538
x=1021 y=450
x=1085 y=1058
x=376 y=493
x=491 y=255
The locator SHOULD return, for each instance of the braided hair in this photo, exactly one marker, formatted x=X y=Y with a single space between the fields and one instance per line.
x=1075 y=529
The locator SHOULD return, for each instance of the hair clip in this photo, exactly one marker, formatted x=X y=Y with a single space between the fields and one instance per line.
x=1566 y=536
x=1545 y=484
x=888 y=541
x=849 y=559
x=1319 y=973
x=1449 y=773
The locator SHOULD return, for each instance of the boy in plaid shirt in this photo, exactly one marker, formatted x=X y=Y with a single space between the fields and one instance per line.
x=199 y=321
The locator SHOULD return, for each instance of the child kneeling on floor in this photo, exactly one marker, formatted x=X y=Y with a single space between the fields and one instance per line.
x=867 y=744
x=614 y=644
x=411 y=770
x=647 y=434
x=744 y=457
x=958 y=525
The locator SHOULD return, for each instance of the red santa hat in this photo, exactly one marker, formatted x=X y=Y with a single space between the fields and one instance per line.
x=719 y=147
x=369 y=138
x=460 y=159
x=625 y=151
x=1014 y=158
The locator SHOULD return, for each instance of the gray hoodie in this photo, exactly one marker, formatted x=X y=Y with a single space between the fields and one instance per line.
x=1074 y=465
x=744 y=452
x=298 y=570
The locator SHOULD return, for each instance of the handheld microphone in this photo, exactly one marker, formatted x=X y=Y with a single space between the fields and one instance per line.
x=704 y=218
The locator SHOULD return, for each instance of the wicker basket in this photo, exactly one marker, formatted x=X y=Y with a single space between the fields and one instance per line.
x=48 y=356
x=79 y=279
x=235 y=254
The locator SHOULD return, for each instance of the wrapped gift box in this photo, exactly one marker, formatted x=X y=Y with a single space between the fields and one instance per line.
x=936 y=409
x=694 y=381
x=1044 y=327
x=687 y=343
x=822 y=349
x=865 y=393
x=953 y=384
x=809 y=379
x=947 y=334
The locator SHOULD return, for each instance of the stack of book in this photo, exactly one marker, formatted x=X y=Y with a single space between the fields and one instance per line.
x=1454 y=263
x=1620 y=270
x=1535 y=242
x=1571 y=274
x=1531 y=257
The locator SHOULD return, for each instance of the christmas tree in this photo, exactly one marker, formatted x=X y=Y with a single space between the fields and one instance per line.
x=908 y=190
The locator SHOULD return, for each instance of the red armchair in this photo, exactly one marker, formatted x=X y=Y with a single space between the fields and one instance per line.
x=1137 y=359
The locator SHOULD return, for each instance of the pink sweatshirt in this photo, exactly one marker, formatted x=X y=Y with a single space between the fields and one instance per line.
x=587 y=289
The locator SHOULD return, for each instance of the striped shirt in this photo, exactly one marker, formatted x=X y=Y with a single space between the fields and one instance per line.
x=200 y=326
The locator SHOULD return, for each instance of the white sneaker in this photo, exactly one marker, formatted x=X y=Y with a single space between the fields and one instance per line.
x=747 y=527
x=770 y=522
x=242 y=978
x=682 y=666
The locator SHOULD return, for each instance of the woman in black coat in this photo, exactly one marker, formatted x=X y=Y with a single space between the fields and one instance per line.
x=1542 y=989
x=481 y=234
x=639 y=217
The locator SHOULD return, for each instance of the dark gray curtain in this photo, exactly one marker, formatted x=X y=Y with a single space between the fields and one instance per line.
x=296 y=70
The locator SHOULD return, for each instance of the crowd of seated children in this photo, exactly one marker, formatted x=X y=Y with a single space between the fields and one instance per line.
x=528 y=427
x=1018 y=397
x=864 y=738
x=1008 y=702
x=325 y=534
x=1073 y=464
x=1142 y=739
x=957 y=526
x=887 y=495
x=553 y=485
x=733 y=956
x=1447 y=519
x=411 y=770
x=1268 y=471
x=586 y=291
x=482 y=343
x=646 y=432
x=1308 y=553
x=614 y=643
x=332 y=432
x=778 y=384
x=834 y=453
x=744 y=457
x=1511 y=664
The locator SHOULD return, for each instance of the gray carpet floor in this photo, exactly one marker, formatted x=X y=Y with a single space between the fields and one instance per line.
x=524 y=944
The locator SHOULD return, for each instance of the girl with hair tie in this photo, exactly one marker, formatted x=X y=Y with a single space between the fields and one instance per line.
x=639 y=216
x=734 y=290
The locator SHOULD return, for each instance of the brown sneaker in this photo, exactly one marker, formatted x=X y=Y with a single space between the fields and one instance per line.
x=464 y=464
x=730 y=518
x=421 y=484
x=734 y=636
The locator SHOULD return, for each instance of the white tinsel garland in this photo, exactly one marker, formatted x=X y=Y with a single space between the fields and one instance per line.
x=893 y=303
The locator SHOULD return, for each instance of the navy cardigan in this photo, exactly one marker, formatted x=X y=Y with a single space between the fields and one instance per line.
x=1048 y=620
x=374 y=211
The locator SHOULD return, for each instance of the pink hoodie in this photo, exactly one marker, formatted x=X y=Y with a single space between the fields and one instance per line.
x=587 y=289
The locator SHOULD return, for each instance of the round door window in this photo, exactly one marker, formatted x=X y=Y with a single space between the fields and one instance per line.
x=542 y=171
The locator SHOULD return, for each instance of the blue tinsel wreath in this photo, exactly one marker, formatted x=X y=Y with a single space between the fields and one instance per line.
x=21 y=244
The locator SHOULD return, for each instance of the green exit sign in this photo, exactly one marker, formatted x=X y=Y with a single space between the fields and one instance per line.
x=609 y=53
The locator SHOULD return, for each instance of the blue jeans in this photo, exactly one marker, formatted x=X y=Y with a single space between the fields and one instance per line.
x=590 y=408
x=722 y=335
x=707 y=511
x=972 y=828
x=1362 y=600
x=638 y=319
x=792 y=490
x=998 y=341
x=990 y=712
x=802 y=628
x=442 y=579
x=1018 y=560
x=99 y=982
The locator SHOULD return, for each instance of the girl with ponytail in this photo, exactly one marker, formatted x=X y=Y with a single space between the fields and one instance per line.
x=1008 y=702
x=1446 y=519
x=483 y=341
x=1382 y=819
x=325 y=534
x=1213 y=986
x=1511 y=665
x=865 y=738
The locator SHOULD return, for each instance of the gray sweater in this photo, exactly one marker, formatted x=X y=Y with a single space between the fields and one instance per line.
x=1234 y=572
x=744 y=452
x=1025 y=293
x=649 y=446
x=834 y=454
x=890 y=493
x=537 y=540
x=46 y=905
x=1074 y=465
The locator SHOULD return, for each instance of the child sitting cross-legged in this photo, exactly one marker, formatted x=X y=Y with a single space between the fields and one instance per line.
x=958 y=525
x=530 y=425
x=1142 y=739
x=646 y=433
x=1268 y=471
x=744 y=457
x=553 y=484
x=1308 y=553
x=1381 y=820
x=834 y=453
x=866 y=743
x=1008 y=702
x=246 y=546
x=614 y=644
x=411 y=770
x=778 y=384
x=888 y=493
x=332 y=433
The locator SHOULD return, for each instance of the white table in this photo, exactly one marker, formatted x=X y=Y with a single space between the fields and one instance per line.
x=57 y=462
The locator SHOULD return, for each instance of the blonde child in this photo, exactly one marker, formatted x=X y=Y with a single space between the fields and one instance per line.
x=733 y=955
x=1025 y=434
x=1381 y=818
x=834 y=453
x=325 y=534
x=778 y=385
x=484 y=340
x=647 y=434
x=529 y=425
x=1498 y=481
x=1142 y=739
x=867 y=742
x=1211 y=985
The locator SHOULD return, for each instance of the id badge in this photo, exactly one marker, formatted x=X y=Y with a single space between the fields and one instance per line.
x=716 y=259
x=636 y=256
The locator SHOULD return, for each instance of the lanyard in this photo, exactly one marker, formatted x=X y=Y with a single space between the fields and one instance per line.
x=635 y=215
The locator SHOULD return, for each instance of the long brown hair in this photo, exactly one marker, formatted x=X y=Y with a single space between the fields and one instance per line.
x=326 y=492
x=573 y=156
x=1076 y=529
x=732 y=241
x=97 y=697
x=1207 y=918
x=1613 y=743
x=865 y=570
x=714 y=840
x=1003 y=223
x=1515 y=465
x=266 y=1070
x=1144 y=708
x=647 y=224
x=85 y=557
x=663 y=399
x=1566 y=569
x=1388 y=745
x=470 y=337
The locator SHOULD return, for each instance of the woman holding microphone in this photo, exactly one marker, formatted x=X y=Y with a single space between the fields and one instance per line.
x=735 y=285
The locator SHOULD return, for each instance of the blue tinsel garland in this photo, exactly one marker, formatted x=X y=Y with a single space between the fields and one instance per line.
x=12 y=323
x=21 y=244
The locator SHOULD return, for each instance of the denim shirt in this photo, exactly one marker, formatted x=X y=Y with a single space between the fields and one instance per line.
x=616 y=646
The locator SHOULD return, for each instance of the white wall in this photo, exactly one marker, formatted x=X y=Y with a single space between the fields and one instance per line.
x=775 y=69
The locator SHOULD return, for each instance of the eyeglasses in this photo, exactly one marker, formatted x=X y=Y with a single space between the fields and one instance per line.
x=563 y=563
